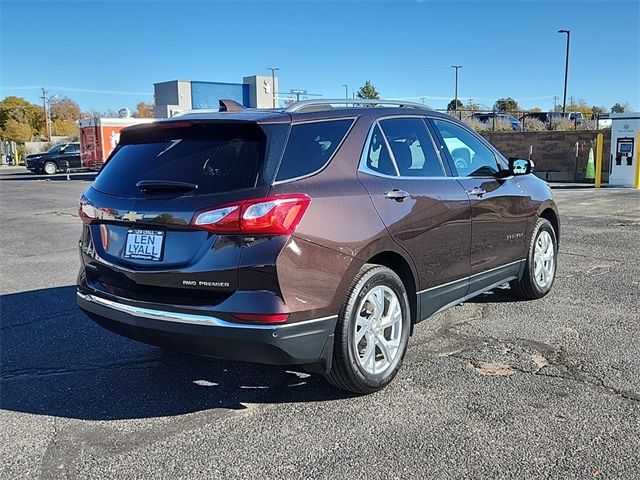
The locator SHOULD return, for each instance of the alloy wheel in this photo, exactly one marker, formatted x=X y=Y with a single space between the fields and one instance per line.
x=50 y=168
x=378 y=329
x=544 y=260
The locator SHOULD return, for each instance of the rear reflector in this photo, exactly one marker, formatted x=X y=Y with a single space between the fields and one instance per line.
x=262 y=318
x=276 y=215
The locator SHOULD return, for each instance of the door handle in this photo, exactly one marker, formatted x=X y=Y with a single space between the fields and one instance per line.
x=477 y=191
x=397 y=195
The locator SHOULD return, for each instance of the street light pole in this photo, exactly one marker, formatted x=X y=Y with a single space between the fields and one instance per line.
x=273 y=83
x=455 y=100
x=346 y=91
x=566 y=72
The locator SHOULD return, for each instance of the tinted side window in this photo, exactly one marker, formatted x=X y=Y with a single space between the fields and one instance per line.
x=72 y=149
x=378 y=158
x=311 y=146
x=470 y=156
x=412 y=147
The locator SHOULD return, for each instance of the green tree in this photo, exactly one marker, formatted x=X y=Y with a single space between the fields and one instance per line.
x=64 y=109
x=455 y=104
x=368 y=91
x=507 y=104
x=144 y=110
x=16 y=131
x=620 y=107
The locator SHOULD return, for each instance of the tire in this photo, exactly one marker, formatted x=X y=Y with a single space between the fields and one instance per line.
x=530 y=286
x=50 y=168
x=354 y=365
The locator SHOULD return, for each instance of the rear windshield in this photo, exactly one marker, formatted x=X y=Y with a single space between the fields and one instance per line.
x=311 y=146
x=215 y=157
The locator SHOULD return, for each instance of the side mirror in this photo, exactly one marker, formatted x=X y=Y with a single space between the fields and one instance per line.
x=520 y=166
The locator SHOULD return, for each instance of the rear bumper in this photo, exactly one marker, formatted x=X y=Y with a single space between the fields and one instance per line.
x=302 y=343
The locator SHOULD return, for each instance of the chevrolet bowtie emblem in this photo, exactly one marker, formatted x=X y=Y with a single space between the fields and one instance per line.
x=133 y=216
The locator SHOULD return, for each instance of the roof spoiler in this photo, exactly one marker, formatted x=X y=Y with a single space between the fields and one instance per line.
x=230 y=106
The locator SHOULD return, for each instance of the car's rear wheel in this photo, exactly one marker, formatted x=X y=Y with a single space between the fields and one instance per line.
x=540 y=269
x=372 y=332
x=50 y=168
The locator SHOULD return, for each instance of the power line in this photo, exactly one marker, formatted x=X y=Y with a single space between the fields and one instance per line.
x=80 y=90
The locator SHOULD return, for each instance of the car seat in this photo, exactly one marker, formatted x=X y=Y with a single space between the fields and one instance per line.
x=402 y=154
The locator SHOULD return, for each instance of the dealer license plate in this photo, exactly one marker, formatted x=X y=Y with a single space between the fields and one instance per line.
x=144 y=244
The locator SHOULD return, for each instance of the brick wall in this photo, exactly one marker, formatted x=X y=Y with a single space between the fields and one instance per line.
x=554 y=153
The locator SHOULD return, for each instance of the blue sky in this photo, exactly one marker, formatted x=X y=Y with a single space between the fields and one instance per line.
x=405 y=48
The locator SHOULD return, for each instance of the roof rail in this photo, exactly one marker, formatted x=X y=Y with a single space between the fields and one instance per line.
x=317 y=104
x=195 y=110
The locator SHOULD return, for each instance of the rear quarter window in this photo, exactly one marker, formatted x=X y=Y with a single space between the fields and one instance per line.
x=310 y=147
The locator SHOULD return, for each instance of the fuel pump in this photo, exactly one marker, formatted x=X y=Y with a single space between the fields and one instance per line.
x=624 y=151
x=625 y=135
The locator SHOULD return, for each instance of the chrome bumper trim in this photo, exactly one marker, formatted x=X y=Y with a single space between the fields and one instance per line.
x=190 y=318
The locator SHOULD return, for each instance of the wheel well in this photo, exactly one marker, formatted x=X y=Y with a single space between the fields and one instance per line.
x=398 y=264
x=550 y=215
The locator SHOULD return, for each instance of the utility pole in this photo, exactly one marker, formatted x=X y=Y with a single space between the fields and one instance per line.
x=273 y=83
x=47 y=119
x=455 y=100
x=346 y=91
x=566 y=71
x=555 y=102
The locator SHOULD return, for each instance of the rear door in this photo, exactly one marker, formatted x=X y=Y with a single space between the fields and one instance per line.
x=426 y=211
x=72 y=155
x=498 y=206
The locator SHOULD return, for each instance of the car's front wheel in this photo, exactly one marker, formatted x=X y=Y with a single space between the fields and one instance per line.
x=50 y=168
x=372 y=332
x=542 y=261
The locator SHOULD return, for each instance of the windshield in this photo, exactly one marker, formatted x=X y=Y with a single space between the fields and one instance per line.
x=56 y=148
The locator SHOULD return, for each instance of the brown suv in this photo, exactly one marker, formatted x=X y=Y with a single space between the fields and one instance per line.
x=317 y=235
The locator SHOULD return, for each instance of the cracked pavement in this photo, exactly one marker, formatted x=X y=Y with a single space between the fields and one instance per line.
x=493 y=388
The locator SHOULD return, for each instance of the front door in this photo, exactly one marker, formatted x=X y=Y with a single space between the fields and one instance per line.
x=426 y=211
x=498 y=206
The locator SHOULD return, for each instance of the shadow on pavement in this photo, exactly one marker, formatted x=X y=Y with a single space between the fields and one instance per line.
x=55 y=361
x=16 y=177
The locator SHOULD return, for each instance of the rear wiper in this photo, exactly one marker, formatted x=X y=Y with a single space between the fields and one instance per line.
x=159 y=185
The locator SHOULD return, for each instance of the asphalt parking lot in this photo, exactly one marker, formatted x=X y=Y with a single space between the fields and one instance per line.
x=489 y=389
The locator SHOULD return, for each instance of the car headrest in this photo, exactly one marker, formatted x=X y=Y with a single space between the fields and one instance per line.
x=402 y=154
x=462 y=153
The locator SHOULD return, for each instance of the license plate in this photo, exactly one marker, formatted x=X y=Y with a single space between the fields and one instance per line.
x=144 y=245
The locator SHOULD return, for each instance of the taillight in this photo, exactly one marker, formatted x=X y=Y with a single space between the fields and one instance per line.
x=262 y=318
x=88 y=213
x=277 y=215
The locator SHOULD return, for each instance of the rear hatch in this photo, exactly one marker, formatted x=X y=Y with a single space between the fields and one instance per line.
x=140 y=239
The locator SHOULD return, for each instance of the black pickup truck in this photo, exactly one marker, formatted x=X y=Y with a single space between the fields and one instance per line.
x=58 y=158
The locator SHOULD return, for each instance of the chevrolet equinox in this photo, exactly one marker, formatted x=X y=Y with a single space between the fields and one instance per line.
x=317 y=235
